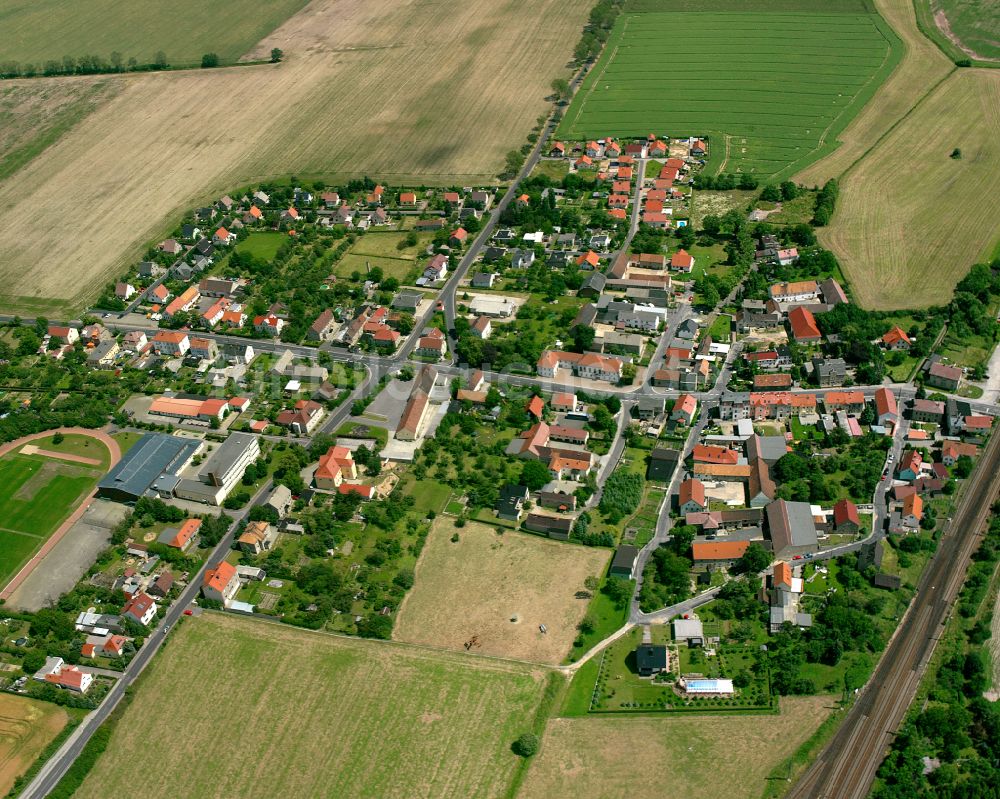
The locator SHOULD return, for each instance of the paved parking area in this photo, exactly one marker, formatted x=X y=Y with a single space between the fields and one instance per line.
x=69 y=559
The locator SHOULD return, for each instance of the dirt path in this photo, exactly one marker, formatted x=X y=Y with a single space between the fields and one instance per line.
x=116 y=455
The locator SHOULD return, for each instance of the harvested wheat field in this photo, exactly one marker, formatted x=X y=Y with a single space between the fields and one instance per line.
x=26 y=728
x=275 y=711
x=911 y=219
x=922 y=67
x=473 y=587
x=34 y=114
x=612 y=757
x=420 y=90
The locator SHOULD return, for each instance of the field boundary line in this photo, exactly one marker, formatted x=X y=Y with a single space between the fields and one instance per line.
x=429 y=648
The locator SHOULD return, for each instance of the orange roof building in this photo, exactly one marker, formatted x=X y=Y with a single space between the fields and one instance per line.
x=706 y=453
x=721 y=551
x=803 y=324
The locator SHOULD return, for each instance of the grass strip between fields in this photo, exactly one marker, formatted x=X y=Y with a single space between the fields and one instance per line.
x=555 y=687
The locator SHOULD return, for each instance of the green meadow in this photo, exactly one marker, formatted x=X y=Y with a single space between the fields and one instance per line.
x=769 y=89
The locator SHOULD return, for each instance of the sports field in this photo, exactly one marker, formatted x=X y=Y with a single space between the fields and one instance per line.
x=26 y=728
x=363 y=91
x=701 y=757
x=35 y=31
x=475 y=586
x=910 y=219
x=771 y=89
x=36 y=494
x=283 y=712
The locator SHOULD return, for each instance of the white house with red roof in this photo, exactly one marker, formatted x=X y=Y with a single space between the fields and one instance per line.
x=221 y=582
x=896 y=339
x=171 y=342
x=682 y=261
x=141 y=608
x=57 y=672
x=269 y=324
x=223 y=236
x=437 y=268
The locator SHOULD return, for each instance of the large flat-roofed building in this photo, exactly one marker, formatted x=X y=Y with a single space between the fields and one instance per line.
x=153 y=463
x=221 y=471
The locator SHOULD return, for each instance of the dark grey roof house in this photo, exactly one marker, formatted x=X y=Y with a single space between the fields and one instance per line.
x=650 y=659
x=623 y=563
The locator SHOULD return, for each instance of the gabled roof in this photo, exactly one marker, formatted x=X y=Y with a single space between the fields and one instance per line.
x=846 y=511
x=219 y=576
x=718 y=550
x=692 y=490
x=803 y=324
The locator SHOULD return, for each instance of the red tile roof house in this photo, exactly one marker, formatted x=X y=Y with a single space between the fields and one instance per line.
x=171 y=342
x=68 y=335
x=458 y=237
x=588 y=260
x=896 y=339
x=845 y=517
x=303 y=418
x=183 y=538
x=885 y=407
x=951 y=451
x=558 y=150
x=408 y=198
x=682 y=261
x=563 y=403
x=655 y=220
x=692 y=496
x=536 y=407
x=482 y=327
x=583 y=162
x=72 y=678
x=705 y=453
x=618 y=201
x=221 y=582
x=268 y=324
x=223 y=236
x=684 y=409
x=140 y=608
x=432 y=344
x=803 y=324
x=289 y=215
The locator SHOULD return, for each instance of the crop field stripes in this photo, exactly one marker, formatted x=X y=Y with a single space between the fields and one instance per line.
x=782 y=85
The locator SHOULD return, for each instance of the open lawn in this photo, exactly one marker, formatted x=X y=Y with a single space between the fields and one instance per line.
x=327 y=716
x=34 y=114
x=475 y=586
x=911 y=220
x=26 y=728
x=771 y=89
x=359 y=93
x=263 y=244
x=36 y=31
x=36 y=495
x=701 y=757
x=921 y=68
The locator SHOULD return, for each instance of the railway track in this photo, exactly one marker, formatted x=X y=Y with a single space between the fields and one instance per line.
x=846 y=767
